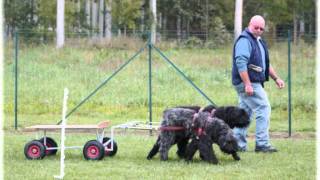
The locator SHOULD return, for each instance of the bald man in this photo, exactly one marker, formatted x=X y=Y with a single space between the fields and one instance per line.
x=250 y=69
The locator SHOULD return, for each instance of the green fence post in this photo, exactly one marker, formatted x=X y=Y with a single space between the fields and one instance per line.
x=289 y=82
x=150 y=81
x=16 y=46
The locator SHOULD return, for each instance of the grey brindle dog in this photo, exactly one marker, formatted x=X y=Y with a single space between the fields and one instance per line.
x=179 y=125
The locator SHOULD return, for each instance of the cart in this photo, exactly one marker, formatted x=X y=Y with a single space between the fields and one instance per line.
x=92 y=150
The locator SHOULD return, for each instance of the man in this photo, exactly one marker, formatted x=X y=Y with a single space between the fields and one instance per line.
x=250 y=70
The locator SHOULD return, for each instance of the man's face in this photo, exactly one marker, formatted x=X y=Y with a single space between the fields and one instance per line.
x=256 y=27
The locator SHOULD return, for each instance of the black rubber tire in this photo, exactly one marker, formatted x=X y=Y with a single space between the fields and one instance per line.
x=34 y=150
x=49 y=143
x=115 y=147
x=93 y=150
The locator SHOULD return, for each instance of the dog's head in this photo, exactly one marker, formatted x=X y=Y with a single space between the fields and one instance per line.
x=233 y=116
x=228 y=143
x=208 y=108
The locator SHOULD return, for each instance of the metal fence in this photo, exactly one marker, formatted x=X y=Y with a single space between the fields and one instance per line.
x=28 y=81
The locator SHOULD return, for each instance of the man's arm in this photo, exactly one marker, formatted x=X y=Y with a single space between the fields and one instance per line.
x=276 y=78
x=242 y=54
x=247 y=83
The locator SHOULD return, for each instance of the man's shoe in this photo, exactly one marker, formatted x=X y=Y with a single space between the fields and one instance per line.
x=269 y=149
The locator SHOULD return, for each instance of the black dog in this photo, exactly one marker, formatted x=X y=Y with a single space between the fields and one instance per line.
x=232 y=115
x=211 y=130
x=184 y=117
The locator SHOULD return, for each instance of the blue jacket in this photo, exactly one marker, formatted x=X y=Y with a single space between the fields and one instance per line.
x=255 y=59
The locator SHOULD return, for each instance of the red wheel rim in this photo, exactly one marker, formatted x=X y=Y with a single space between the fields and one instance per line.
x=34 y=151
x=93 y=152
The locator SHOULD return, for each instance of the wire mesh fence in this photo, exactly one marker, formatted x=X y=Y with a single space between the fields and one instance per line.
x=87 y=59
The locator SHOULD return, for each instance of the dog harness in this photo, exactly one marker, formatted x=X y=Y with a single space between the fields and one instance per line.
x=172 y=128
x=180 y=128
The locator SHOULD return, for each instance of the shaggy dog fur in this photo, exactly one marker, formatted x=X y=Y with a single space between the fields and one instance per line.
x=184 y=116
x=211 y=130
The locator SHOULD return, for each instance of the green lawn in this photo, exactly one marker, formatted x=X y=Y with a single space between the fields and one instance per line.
x=295 y=160
x=45 y=71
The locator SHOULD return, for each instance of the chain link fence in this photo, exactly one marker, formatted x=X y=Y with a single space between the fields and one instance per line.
x=87 y=59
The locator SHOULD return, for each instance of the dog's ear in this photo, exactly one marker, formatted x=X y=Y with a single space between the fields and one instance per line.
x=229 y=137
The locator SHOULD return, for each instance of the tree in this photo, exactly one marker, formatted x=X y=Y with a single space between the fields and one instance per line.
x=125 y=14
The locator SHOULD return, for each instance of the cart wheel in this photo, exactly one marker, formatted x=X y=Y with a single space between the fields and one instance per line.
x=34 y=150
x=49 y=143
x=93 y=150
x=108 y=152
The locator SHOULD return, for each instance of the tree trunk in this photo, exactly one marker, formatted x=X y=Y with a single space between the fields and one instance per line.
x=188 y=28
x=178 y=28
x=153 y=8
x=207 y=21
x=108 y=16
x=60 y=23
x=94 y=15
x=79 y=16
x=301 y=28
x=142 y=16
x=164 y=26
x=101 y=17
x=87 y=11
x=238 y=18
x=295 y=28
x=160 y=25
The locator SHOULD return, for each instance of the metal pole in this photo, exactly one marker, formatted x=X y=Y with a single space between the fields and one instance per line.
x=103 y=83
x=16 y=80
x=184 y=76
x=289 y=82
x=150 y=81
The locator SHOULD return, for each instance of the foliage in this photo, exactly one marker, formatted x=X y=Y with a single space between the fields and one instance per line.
x=218 y=34
x=125 y=13
x=176 y=19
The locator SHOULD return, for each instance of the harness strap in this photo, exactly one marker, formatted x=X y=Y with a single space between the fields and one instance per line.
x=171 y=128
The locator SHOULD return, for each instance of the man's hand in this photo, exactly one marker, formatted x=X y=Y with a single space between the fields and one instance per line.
x=248 y=89
x=280 y=83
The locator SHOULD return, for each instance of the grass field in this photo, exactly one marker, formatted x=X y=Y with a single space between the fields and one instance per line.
x=44 y=72
x=295 y=160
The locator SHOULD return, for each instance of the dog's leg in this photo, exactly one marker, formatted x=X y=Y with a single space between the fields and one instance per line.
x=206 y=150
x=191 y=149
x=166 y=141
x=155 y=149
x=182 y=146
x=235 y=156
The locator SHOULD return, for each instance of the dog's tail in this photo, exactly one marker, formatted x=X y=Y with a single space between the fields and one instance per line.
x=154 y=150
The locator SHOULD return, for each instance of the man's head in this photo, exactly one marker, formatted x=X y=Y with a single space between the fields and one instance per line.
x=256 y=25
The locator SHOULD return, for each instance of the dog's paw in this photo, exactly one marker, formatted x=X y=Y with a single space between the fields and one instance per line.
x=236 y=157
x=214 y=161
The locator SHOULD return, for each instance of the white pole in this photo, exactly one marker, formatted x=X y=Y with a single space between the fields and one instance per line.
x=63 y=137
x=318 y=85
x=60 y=23
x=153 y=7
x=1 y=93
x=238 y=19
